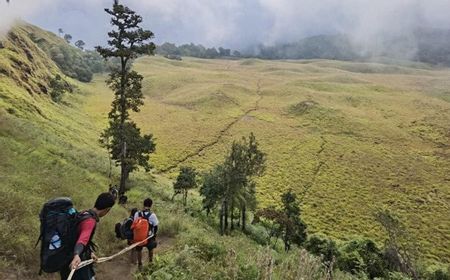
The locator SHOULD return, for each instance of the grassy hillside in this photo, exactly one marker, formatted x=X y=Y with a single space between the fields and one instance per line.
x=50 y=149
x=349 y=138
x=46 y=149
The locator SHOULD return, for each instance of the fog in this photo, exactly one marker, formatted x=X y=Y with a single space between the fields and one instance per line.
x=238 y=24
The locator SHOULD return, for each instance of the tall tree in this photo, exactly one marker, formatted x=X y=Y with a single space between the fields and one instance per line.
x=244 y=162
x=186 y=180
x=295 y=228
x=80 y=44
x=127 y=41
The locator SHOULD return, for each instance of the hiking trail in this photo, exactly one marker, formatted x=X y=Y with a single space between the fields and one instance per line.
x=116 y=269
x=220 y=135
x=317 y=169
x=122 y=269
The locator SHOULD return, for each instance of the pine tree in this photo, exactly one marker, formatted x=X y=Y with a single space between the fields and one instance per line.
x=122 y=137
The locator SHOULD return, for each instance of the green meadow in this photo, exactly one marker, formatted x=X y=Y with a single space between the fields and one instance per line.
x=349 y=138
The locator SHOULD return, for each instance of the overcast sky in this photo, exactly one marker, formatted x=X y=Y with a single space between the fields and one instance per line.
x=234 y=23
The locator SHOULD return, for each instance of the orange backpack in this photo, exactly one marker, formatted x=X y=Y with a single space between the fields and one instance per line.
x=141 y=229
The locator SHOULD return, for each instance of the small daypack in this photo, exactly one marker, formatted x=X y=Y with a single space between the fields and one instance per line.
x=123 y=229
x=59 y=221
x=141 y=228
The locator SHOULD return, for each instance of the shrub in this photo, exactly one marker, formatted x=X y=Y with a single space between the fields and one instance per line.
x=58 y=86
x=438 y=274
x=362 y=256
x=322 y=246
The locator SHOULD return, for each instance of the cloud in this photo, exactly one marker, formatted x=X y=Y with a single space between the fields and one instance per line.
x=238 y=23
x=18 y=9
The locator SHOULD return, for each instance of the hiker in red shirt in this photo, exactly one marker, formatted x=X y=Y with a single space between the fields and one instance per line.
x=85 y=247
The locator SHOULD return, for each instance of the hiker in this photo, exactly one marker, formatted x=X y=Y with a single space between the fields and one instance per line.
x=152 y=222
x=84 y=247
x=114 y=191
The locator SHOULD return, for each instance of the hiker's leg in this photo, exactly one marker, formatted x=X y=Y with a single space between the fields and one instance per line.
x=139 y=255
x=150 y=255
x=64 y=273
x=151 y=245
x=133 y=256
x=84 y=273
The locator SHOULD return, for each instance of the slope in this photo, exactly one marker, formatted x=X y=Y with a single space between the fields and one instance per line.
x=343 y=135
x=50 y=149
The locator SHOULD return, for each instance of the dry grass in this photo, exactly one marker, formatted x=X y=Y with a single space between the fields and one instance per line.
x=377 y=135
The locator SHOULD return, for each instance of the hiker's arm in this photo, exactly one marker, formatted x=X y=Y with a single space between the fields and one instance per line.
x=85 y=230
x=154 y=222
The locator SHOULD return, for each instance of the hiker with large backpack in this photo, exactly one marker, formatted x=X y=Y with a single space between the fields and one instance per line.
x=123 y=231
x=145 y=225
x=66 y=236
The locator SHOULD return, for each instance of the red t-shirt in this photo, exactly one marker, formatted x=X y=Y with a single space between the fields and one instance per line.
x=85 y=229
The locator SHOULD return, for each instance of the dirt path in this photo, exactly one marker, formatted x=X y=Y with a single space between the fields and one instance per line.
x=117 y=269
x=122 y=269
x=220 y=135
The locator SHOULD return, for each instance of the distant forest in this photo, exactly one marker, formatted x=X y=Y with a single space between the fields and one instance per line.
x=424 y=45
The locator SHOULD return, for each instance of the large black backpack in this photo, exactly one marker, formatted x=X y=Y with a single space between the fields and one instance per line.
x=59 y=221
x=123 y=229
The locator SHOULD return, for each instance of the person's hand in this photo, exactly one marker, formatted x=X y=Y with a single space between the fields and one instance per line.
x=94 y=257
x=75 y=262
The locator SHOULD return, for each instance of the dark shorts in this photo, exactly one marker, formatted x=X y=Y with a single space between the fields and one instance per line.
x=84 y=273
x=151 y=244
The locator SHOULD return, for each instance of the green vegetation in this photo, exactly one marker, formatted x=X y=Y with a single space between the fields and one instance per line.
x=231 y=184
x=58 y=87
x=172 y=51
x=74 y=62
x=185 y=181
x=286 y=222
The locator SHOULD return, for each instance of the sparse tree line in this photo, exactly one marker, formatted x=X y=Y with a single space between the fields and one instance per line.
x=170 y=50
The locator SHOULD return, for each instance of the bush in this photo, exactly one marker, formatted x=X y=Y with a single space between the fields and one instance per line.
x=397 y=276
x=258 y=234
x=438 y=274
x=322 y=246
x=362 y=256
x=57 y=88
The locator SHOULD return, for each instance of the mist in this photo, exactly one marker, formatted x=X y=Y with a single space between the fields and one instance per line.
x=240 y=24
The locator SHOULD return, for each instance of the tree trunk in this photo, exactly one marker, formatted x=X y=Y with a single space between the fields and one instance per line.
x=244 y=217
x=221 y=215
x=232 y=216
x=239 y=218
x=123 y=170
x=123 y=155
x=226 y=217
